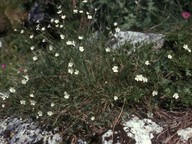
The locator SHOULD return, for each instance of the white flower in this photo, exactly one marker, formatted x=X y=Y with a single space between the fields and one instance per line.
x=81 y=49
x=115 y=69
x=63 y=17
x=147 y=62
x=52 y=104
x=70 y=43
x=115 y=23
x=186 y=48
x=107 y=49
x=43 y=28
x=66 y=95
x=22 y=31
x=75 y=11
x=35 y=58
x=169 y=56
x=56 y=21
x=61 y=26
x=70 y=70
x=57 y=25
x=24 y=81
x=76 y=72
x=4 y=96
x=59 y=12
x=3 y=105
x=62 y=36
x=117 y=30
x=141 y=78
x=43 y=40
x=89 y=17
x=115 y=98
x=154 y=93
x=70 y=64
x=40 y=113
x=80 y=11
x=49 y=113
x=80 y=37
x=49 y=26
x=22 y=102
x=50 y=47
x=176 y=95
x=52 y=20
x=32 y=47
x=32 y=102
x=59 y=7
x=84 y=1
x=56 y=54
x=12 y=90
x=93 y=118
x=32 y=95
x=31 y=36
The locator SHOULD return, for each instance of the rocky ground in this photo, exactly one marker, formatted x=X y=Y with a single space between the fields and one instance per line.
x=163 y=127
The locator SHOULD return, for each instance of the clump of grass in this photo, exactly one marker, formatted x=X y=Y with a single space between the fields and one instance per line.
x=77 y=82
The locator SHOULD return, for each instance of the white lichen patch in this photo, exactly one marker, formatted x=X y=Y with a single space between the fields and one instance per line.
x=185 y=134
x=141 y=130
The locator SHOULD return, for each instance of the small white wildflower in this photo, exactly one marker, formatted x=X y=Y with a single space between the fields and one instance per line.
x=61 y=26
x=40 y=113
x=81 y=49
x=56 y=54
x=147 y=62
x=50 y=47
x=80 y=37
x=31 y=36
x=32 y=95
x=52 y=104
x=49 y=113
x=24 y=81
x=3 y=105
x=186 y=48
x=117 y=29
x=22 y=102
x=154 y=93
x=141 y=78
x=57 y=25
x=4 y=96
x=59 y=12
x=70 y=64
x=84 y=1
x=15 y=29
x=12 y=90
x=80 y=11
x=169 y=56
x=93 y=118
x=56 y=21
x=62 y=36
x=35 y=58
x=70 y=70
x=107 y=49
x=32 y=48
x=87 y=13
x=63 y=17
x=66 y=95
x=75 y=11
x=43 y=28
x=49 y=26
x=115 y=23
x=43 y=40
x=115 y=69
x=52 y=20
x=89 y=17
x=22 y=31
x=76 y=72
x=115 y=98
x=32 y=102
x=176 y=95
x=38 y=27
x=70 y=43
x=59 y=7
